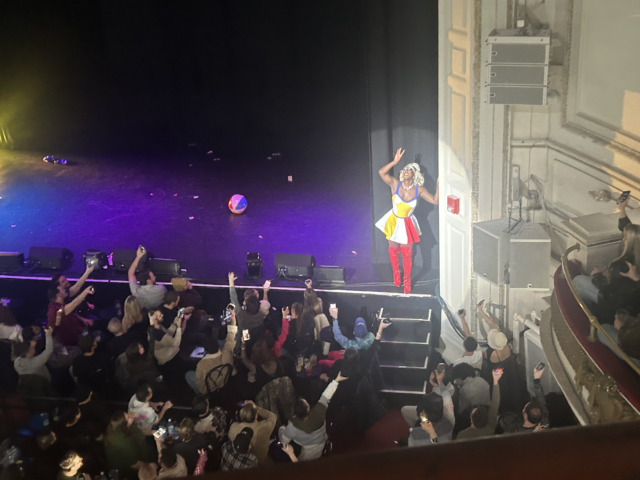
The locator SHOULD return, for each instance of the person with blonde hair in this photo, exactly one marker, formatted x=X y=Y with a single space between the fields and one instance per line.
x=132 y=313
x=400 y=225
x=70 y=467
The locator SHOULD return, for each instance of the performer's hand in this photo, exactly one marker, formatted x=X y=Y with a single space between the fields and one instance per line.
x=398 y=155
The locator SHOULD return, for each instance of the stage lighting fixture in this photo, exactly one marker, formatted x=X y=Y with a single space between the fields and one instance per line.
x=96 y=258
x=254 y=265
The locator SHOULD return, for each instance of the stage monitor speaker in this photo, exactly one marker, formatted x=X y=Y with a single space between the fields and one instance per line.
x=530 y=257
x=491 y=251
x=11 y=261
x=165 y=267
x=520 y=259
x=325 y=275
x=50 y=258
x=294 y=265
x=122 y=259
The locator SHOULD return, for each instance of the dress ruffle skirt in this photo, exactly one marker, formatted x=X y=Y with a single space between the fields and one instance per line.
x=404 y=231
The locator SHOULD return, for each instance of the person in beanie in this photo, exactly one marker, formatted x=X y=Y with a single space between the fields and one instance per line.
x=188 y=297
x=236 y=454
x=364 y=338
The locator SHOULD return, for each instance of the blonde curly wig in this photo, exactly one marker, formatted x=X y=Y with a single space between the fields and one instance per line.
x=418 y=178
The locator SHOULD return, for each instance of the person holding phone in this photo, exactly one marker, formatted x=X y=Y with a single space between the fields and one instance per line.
x=145 y=413
x=363 y=337
x=472 y=353
x=28 y=363
x=589 y=286
x=484 y=419
x=214 y=357
x=433 y=419
x=534 y=416
x=67 y=324
x=148 y=292
x=166 y=340
x=250 y=313
x=313 y=308
x=169 y=309
x=498 y=355
x=400 y=225
x=308 y=426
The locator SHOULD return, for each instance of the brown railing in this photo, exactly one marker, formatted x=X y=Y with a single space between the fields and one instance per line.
x=594 y=324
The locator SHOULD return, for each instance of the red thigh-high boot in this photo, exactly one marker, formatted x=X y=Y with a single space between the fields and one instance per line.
x=394 y=255
x=407 y=262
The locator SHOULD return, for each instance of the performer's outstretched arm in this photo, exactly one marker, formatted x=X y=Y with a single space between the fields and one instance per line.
x=428 y=197
x=384 y=171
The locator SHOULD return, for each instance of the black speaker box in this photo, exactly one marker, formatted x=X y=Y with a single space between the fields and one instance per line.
x=165 y=267
x=294 y=265
x=325 y=275
x=50 y=258
x=123 y=258
x=11 y=261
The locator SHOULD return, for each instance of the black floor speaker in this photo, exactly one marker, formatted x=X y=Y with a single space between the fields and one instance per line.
x=11 y=261
x=50 y=258
x=122 y=259
x=326 y=275
x=294 y=265
x=167 y=267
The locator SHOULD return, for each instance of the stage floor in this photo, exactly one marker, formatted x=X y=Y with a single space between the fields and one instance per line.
x=176 y=206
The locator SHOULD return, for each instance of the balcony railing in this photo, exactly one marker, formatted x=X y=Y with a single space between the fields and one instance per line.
x=594 y=324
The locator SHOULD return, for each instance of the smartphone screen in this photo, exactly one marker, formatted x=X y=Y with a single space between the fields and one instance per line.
x=245 y=335
x=624 y=195
x=333 y=305
x=159 y=433
x=498 y=371
x=461 y=311
x=540 y=366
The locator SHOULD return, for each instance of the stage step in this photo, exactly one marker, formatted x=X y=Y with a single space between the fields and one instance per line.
x=404 y=353
x=418 y=362
x=407 y=331
x=404 y=381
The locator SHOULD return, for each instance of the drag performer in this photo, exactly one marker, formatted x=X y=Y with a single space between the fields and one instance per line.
x=399 y=224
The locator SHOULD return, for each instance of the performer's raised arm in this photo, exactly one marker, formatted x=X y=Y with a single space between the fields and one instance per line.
x=384 y=171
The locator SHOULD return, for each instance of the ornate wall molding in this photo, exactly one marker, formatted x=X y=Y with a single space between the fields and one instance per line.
x=582 y=123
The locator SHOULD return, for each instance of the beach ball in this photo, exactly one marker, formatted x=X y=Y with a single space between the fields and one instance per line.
x=237 y=204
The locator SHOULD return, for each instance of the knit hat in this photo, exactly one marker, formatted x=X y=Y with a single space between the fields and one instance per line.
x=360 y=329
x=178 y=284
x=243 y=440
x=496 y=339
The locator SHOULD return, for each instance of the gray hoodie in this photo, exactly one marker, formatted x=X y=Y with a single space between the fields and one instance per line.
x=36 y=365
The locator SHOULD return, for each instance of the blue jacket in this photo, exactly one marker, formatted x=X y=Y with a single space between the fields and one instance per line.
x=358 y=343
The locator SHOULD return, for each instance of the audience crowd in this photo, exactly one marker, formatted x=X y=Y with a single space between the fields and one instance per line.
x=262 y=387
x=612 y=293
